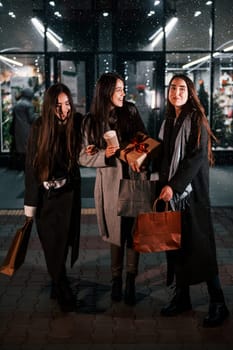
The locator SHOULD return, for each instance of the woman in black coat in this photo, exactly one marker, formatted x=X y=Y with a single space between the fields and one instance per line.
x=52 y=187
x=184 y=178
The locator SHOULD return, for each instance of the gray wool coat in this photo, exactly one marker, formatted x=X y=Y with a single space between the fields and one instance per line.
x=106 y=195
x=109 y=172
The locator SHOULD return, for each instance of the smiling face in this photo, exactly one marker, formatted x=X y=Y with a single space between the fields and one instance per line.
x=119 y=94
x=178 y=93
x=63 y=106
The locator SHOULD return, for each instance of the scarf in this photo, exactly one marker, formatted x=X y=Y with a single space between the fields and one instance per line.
x=179 y=150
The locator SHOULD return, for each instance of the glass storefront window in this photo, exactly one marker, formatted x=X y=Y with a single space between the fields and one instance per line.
x=192 y=30
x=72 y=25
x=223 y=102
x=17 y=32
x=93 y=37
x=17 y=73
x=104 y=64
x=105 y=31
x=138 y=25
x=196 y=66
x=72 y=74
x=223 y=25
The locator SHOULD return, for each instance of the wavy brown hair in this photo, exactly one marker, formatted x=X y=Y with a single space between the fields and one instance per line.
x=101 y=106
x=47 y=143
x=193 y=103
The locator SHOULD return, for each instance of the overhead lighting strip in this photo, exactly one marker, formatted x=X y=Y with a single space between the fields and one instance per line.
x=9 y=60
x=158 y=35
x=53 y=37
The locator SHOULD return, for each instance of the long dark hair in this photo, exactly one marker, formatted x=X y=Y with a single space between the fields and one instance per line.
x=47 y=143
x=101 y=106
x=193 y=103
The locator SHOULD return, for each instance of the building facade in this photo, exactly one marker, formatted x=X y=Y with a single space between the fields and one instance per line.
x=75 y=41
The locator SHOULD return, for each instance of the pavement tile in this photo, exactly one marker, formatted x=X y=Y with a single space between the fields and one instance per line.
x=30 y=320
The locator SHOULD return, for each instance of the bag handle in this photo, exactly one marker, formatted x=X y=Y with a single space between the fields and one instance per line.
x=155 y=203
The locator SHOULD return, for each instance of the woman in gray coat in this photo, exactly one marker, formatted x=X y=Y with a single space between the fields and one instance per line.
x=184 y=179
x=108 y=111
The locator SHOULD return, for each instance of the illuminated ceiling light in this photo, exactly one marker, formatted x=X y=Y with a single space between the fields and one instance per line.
x=55 y=35
x=57 y=13
x=52 y=3
x=1 y=5
x=159 y=34
x=208 y=3
x=230 y=48
x=16 y=63
x=105 y=14
x=156 y=3
x=206 y=58
x=155 y=34
x=197 y=13
x=54 y=38
x=11 y=14
x=199 y=60
x=151 y=13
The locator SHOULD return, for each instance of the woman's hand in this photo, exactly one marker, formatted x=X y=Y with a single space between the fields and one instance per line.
x=91 y=150
x=134 y=166
x=166 y=194
x=110 y=151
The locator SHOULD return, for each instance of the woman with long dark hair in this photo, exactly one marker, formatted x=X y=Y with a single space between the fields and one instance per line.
x=109 y=110
x=184 y=179
x=52 y=186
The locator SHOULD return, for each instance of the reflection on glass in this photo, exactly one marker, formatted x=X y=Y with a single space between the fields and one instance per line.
x=13 y=78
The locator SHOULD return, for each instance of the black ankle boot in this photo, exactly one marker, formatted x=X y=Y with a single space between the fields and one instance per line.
x=218 y=313
x=179 y=303
x=116 y=294
x=64 y=295
x=129 y=297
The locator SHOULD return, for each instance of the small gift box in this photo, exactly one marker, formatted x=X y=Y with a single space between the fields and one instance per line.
x=138 y=149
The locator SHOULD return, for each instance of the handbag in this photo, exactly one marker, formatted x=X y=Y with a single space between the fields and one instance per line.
x=135 y=196
x=157 y=231
x=17 y=252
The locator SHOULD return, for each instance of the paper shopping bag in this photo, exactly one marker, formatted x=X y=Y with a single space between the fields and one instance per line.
x=16 y=254
x=157 y=231
x=135 y=196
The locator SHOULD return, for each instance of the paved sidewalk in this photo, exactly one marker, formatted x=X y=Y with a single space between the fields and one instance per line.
x=30 y=320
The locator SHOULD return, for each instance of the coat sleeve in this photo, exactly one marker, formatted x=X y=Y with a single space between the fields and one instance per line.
x=192 y=162
x=96 y=160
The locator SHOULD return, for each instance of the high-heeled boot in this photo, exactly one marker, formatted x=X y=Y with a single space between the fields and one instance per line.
x=129 y=297
x=218 y=311
x=62 y=292
x=116 y=293
x=179 y=303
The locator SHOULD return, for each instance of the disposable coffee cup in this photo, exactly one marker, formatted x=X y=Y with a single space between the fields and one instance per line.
x=111 y=138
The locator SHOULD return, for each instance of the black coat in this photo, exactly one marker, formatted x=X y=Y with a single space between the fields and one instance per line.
x=196 y=261
x=23 y=117
x=58 y=211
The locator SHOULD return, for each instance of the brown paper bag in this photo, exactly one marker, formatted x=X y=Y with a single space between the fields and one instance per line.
x=157 y=231
x=18 y=249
